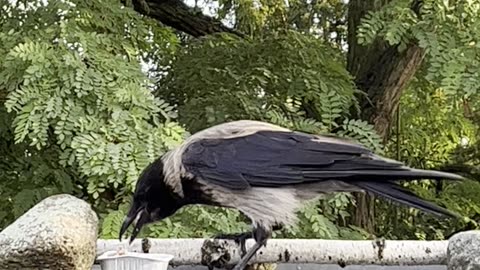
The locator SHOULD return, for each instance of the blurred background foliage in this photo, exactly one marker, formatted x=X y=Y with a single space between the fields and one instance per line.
x=92 y=91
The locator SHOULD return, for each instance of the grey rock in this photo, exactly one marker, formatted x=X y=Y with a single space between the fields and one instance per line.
x=464 y=251
x=60 y=232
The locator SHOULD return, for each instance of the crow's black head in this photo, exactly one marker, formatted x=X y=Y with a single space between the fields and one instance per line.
x=152 y=200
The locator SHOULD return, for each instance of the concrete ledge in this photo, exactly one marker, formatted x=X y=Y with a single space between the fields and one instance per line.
x=341 y=252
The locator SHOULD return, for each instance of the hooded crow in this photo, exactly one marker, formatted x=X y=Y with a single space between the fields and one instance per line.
x=266 y=172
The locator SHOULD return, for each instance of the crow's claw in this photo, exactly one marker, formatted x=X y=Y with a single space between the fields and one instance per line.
x=239 y=238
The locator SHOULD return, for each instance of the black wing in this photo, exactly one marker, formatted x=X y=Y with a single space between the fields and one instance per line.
x=277 y=158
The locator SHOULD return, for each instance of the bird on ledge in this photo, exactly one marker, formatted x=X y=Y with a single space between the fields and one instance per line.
x=267 y=172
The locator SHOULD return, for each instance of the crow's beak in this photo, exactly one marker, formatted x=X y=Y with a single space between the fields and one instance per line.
x=138 y=219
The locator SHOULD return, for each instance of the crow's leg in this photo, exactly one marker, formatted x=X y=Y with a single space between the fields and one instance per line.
x=239 y=238
x=261 y=235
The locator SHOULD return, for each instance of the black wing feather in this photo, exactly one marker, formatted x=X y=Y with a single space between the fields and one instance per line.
x=276 y=158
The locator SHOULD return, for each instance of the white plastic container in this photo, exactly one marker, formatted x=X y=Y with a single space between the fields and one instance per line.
x=111 y=260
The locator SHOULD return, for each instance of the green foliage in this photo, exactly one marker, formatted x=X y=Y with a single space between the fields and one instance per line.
x=326 y=219
x=430 y=136
x=395 y=30
x=220 y=79
x=259 y=18
x=430 y=133
x=447 y=30
x=81 y=106
x=363 y=133
x=200 y=221
x=111 y=224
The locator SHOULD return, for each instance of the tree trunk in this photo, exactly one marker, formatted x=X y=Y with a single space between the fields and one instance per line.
x=383 y=72
x=384 y=81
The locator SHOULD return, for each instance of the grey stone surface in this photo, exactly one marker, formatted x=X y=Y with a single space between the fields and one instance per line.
x=463 y=251
x=60 y=232
x=324 y=267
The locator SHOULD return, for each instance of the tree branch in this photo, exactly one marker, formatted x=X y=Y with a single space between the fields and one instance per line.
x=176 y=14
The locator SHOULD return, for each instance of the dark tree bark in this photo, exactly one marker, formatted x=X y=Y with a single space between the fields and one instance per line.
x=176 y=14
x=383 y=80
x=380 y=70
x=383 y=72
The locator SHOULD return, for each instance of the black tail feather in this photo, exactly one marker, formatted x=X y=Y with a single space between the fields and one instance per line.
x=401 y=173
x=393 y=191
x=380 y=181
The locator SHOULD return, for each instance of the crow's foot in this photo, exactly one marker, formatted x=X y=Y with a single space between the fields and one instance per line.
x=260 y=235
x=239 y=238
